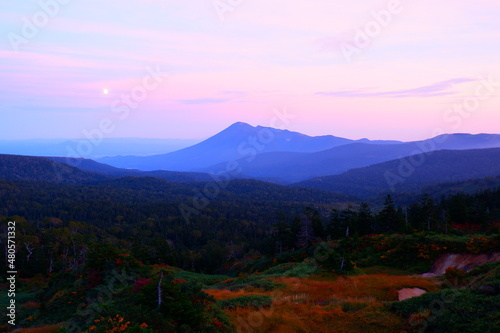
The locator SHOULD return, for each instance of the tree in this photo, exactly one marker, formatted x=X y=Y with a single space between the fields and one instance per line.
x=388 y=217
x=306 y=235
x=365 y=219
x=342 y=223
x=316 y=223
x=281 y=232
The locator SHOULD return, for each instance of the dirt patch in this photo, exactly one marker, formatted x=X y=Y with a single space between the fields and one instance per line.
x=462 y=261
x=409 y=293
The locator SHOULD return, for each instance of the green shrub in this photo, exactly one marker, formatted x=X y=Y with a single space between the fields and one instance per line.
x=251 y=301
x=202 y=280
x=453 y=311
x=485 y=278
x=281 y=268
x=353 y=306
x=260 y=283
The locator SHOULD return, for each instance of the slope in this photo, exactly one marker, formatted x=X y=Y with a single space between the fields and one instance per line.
x=412 y=173
x=93 y=166
x=296 y=167
x=17 y=167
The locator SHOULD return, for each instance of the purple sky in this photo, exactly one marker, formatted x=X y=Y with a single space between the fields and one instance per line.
x=379 y=69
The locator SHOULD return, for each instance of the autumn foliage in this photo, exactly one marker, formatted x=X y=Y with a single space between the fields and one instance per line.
x=326 y=303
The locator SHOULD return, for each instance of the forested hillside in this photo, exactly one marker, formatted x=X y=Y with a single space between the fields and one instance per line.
x=102 y=253
x=412 y=173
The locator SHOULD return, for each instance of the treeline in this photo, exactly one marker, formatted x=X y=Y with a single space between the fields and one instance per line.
x=457 y=214
x=143 y=215
x=62 y=224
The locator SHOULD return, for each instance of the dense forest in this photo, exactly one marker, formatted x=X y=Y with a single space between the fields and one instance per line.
x=152 y=243
x=157 y=222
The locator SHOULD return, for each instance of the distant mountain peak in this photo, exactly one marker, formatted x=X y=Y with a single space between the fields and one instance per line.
x=240 y=125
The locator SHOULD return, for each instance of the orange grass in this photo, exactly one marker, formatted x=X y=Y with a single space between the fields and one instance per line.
x=379 y=286
x=41 y=329
x=291 y=317
x=220 y=294
x=315 y=304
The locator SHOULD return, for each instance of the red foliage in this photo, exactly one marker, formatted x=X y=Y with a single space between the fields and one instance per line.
x=140 y=283
x=455 y=275
x=95 y=278
x=32 y=304
x=468 y=227
x=217 y=323
x=179 y=281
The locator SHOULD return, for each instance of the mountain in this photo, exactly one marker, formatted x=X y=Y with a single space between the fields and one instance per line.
x=412 y=173
x=39 y=168
x=282 y=156
x=174 y=185
x=80 y=170
x=107 y=147
x=240 y=140
x=294 y=167
x=101 y=168
x=463 y=141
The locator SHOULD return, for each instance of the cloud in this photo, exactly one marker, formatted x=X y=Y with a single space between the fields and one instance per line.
x=437 y=89
x=234 y=93
x=204 y=101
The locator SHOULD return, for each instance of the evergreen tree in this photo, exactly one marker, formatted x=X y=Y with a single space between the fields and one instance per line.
x=388 y=219
x=365 y=220
x=316 y=222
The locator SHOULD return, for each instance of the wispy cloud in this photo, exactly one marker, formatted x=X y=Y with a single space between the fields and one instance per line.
x=204 y=100
x=234 y=93
x=437 y=89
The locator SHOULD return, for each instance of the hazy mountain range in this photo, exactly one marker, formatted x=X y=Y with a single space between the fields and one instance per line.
x=98 y=148
x=412 y=173
x=361 y=168
x=238 y=141
x=285 y=156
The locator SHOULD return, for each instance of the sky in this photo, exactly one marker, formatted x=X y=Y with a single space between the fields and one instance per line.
x=403 y=70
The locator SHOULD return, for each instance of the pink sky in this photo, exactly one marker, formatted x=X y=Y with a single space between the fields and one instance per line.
x=242 y=63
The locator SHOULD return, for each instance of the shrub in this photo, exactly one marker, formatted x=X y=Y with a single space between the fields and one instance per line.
x=455 y=275
x=259 y=283
x=251 y=301
x=453 y=311
x=353 y=306
x=479 y=244
x=202 y=280
x=302 y=270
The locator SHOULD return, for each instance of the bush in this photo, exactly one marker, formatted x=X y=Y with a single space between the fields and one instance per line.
x=280 y=269
x=302 y=270
x=455 y=275
x=202 y=280
x=353 y=306
x=453 y=311
x=251 y=301
x=485 y=278
x=259 y=283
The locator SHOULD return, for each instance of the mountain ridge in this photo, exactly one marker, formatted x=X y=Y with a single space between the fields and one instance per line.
x=236 y=141
x=402 y=175
x=268 y=153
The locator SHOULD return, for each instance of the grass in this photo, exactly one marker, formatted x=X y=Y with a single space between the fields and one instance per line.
x=41 y=329
x=204 y=280
x=324 y=303
x=249 y=302
x=384 y=270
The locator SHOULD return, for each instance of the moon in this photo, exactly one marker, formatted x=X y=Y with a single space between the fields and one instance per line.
x=105 y=91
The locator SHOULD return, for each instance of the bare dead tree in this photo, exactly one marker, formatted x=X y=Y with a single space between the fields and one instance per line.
x=30 y=249
x=159 y=290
